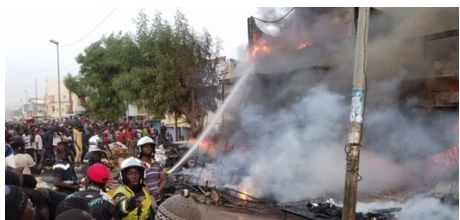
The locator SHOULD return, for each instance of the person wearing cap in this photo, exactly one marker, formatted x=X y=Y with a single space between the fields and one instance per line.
x=65 y=178
x=102 y=205
x=133 y=201
x=17 y=205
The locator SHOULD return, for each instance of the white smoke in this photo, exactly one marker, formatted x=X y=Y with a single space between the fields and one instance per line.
x=290 y=128
x=284 y=153
x=297 y=152
x=416 y=208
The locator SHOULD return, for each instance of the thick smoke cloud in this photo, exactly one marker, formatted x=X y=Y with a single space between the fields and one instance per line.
x=289 y=123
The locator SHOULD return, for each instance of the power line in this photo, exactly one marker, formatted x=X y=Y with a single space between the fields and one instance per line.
x=292 y=9
x=100 y=23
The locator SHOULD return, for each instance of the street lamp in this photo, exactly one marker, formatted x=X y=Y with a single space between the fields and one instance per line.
x=27 y=104
x=22 y=108
x=59 y=78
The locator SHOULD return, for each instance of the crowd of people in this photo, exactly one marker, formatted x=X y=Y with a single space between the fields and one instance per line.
x=77 y=133
x=62 y=146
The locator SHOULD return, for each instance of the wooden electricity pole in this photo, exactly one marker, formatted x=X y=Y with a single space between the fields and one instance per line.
x=356 y=117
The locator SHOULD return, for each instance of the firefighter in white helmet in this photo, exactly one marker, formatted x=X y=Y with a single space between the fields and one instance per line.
x=133 y=201
x=155 y=177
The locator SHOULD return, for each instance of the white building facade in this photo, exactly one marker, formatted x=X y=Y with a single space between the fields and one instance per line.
x=70 y=104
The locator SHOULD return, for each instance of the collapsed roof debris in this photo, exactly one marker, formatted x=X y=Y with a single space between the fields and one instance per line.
x=315 y=209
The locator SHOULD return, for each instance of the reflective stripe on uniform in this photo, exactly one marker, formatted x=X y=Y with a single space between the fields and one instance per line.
x=62 y=166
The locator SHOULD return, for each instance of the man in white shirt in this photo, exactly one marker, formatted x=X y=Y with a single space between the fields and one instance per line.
x=22 y=159
x=39 y=143
x=29 y=149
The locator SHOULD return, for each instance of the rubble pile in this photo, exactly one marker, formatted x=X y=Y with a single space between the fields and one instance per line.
x=224 y=196
x=330 y=211
x=314 y=209
x=119 y=153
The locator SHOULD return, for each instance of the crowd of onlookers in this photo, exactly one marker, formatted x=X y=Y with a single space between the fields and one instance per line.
x=62 y=146
x=76 y=132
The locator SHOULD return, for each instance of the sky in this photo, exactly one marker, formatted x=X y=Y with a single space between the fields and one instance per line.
x=30 y=55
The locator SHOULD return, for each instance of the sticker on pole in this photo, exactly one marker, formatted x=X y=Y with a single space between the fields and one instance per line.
x=357 y=106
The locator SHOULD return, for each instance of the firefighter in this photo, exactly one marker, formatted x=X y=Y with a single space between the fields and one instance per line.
x=133 y=201
x=155 y=177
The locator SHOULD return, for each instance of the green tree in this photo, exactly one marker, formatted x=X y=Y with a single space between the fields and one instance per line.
x=100 y=63
x=176 y=72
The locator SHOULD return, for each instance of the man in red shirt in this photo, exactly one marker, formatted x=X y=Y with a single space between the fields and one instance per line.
x=119 y=135
x=128 y=133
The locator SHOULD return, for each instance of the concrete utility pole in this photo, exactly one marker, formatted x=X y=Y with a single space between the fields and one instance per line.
x=59 y=78
x=356 y=117
x=26 y=106
x=36 y=98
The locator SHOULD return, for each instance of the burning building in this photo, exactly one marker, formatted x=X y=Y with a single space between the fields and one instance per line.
x=288 y=127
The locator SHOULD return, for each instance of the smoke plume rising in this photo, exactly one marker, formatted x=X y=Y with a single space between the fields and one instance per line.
x=290 y=124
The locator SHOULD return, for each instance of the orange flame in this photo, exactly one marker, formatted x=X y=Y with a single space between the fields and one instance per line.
x=260 y=47
x=243 y=196
x=206 y=145
x=302 y=45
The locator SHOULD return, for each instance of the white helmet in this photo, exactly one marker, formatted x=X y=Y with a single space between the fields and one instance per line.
x=94 y=143
x=143 y=141
x=131 y=162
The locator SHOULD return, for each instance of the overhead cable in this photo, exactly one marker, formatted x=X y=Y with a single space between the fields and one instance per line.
x=100 y=23
x=292 y=9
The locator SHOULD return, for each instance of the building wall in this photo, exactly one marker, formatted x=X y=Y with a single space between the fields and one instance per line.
x=76 y=106
x=36 y=107
x=52 y=100
x=226 y=69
